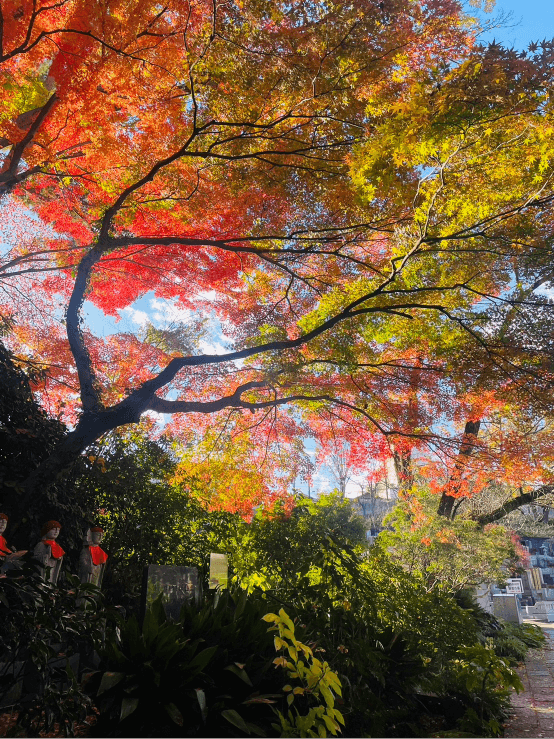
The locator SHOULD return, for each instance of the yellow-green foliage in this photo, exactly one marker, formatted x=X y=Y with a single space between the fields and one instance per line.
x=309 y=677
x=443 y=554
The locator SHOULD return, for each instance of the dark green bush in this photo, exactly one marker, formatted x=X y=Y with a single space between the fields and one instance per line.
x=513 y=641
x=211 y=674
x=41 y=627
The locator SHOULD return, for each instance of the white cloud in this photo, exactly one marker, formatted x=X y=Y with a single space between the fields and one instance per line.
x=139 y=317
x=166 y=311
x=547 y=292
x=212 y=347
x=207 y=294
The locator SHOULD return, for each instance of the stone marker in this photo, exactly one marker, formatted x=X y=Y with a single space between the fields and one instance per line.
x=219 y=571
x=514 y=585
x=543 y=610
x=507 y=607
x=483 y=596
x=178 y=585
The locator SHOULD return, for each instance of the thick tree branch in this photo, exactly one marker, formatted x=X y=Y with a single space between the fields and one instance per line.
x=161 y=405
x=150 y=387
x=514 y=503
x=13 y=160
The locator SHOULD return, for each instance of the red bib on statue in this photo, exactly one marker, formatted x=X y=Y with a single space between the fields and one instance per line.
x=4 y=546
x=99 y=556
x=57 y=551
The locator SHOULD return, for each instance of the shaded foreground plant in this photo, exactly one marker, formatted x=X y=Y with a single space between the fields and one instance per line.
x=42 y=626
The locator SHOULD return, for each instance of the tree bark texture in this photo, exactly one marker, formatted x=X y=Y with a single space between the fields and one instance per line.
x=449 y=495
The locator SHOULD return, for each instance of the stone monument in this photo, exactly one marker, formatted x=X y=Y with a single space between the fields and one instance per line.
x=92 y=561
x=507 y=607
x=8 y=556
x=4 y=549
x=177 y=585
x=48 y=552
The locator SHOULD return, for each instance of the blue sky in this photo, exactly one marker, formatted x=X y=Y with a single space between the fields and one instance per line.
x=531 y=20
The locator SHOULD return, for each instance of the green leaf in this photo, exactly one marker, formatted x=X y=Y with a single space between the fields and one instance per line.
x=270 y=617
x=109 y=680
x=174 y=713
x=268 y=698
x=202 y=658
x=331 y=725
x=242 y=674
x=158 y=610
x=128 y=706
x=236 y=719
x=255 y=729
x=201 y=697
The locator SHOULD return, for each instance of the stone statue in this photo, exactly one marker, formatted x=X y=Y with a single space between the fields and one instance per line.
x=48 y=552
x=92 y=561
x=4 y=549
x=8 y=556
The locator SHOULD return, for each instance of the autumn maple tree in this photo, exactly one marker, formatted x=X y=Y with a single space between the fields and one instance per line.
x=346 y=188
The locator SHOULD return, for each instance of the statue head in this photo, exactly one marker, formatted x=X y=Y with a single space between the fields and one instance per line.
x=96 y=534
x=3 y=522
x=50 y=530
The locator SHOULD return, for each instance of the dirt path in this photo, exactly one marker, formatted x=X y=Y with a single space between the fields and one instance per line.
x=533 y=710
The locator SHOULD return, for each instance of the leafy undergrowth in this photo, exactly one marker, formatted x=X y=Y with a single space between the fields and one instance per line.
x=9 y=726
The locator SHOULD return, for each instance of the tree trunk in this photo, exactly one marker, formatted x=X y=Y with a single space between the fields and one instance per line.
x=91 y=426
x=449 y=495
x=403 y=468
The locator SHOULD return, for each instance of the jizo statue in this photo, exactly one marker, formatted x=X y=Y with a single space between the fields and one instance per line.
x=4 y=549
x=8 y=556
x=48 y=552
x=92 y=561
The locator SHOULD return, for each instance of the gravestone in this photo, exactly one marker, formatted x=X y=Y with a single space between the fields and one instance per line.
x=178 y=585
x=514 y=585
x=543 y=610
x=219 y=571
x=507 y=608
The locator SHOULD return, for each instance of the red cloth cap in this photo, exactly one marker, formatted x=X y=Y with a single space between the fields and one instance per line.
x=97 y=528
x=3 y=516
x=48 y=526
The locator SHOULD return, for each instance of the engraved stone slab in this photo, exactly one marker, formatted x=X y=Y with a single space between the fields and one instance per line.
x=507 y=607
x=178 y=585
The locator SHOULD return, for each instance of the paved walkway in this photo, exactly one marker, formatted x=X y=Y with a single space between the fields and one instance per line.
x=533 y=710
